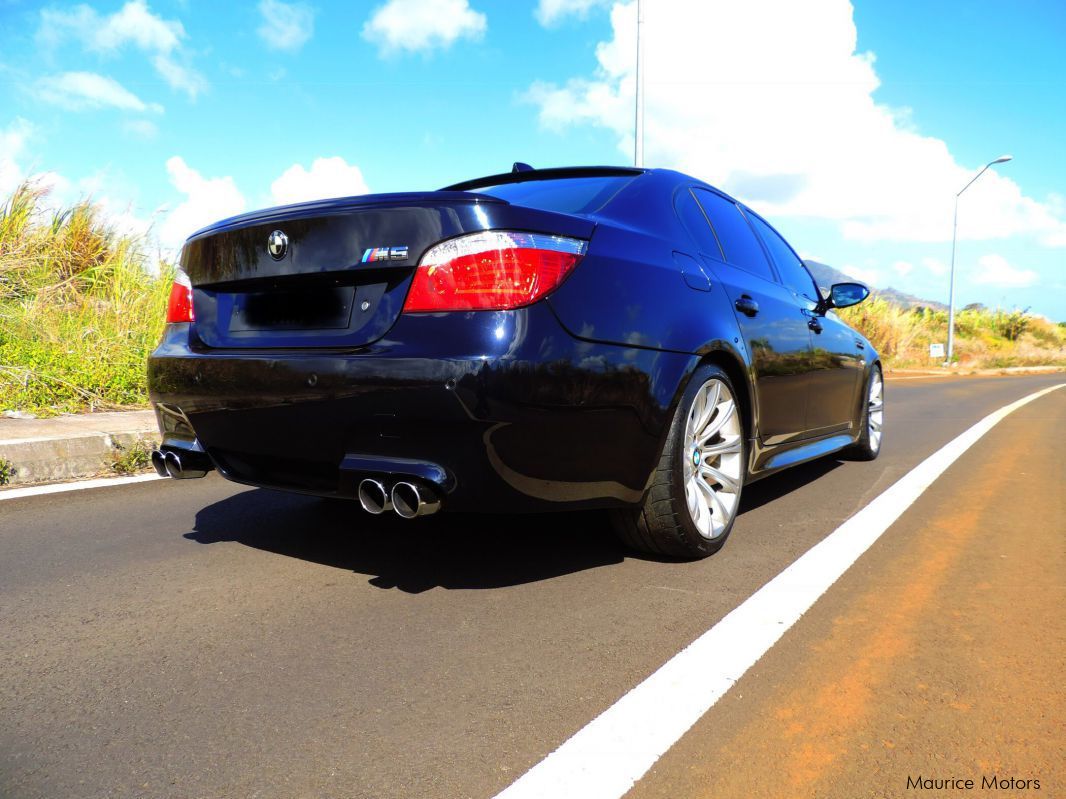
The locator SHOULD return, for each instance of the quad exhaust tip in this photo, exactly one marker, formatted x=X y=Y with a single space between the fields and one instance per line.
x=374 y=497
x=411 y=500
x=168 y=464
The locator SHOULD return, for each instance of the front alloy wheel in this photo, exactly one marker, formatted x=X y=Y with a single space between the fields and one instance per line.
x=871 y=423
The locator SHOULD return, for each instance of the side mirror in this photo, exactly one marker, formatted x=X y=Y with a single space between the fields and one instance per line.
x=843 y=295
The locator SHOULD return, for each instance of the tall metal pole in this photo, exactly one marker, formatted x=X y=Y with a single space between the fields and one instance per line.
x=951 y=290
x=638 y=121
x=954 y=238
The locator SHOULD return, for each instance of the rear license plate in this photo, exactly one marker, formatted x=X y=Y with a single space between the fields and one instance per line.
x=295 y=309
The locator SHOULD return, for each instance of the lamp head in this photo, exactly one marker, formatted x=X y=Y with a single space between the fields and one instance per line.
x=1002 y=159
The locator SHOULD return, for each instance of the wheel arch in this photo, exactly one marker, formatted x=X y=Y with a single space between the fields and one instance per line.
x=735 y=369
x=732 y=363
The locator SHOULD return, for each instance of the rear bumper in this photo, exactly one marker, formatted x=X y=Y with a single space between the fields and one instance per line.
x=506 y=409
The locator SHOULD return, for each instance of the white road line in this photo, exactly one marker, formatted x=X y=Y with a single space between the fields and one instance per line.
x=892 y=379
x=604 y=759
x=59 y=488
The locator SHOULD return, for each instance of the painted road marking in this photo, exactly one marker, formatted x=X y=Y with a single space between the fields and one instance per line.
x=605 y=758
x=59 y=488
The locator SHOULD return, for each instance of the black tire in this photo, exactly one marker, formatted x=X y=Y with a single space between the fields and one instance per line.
x=865 y=449
x=663 y=525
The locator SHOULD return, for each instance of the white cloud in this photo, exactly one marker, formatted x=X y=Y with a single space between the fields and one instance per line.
x=77 y=91
x=132 y=25
x=549 y=12
x=179 y=76
x=286 y=26
x=935 y=266
x=140 y=128
x=328 y=177
x=13 y=140
x=422 y=25
x=788 y=122
x=994 y=270
x=206 y=200
x=903 y=268
x=871 y=277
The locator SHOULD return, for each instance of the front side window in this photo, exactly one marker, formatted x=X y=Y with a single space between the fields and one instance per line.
x=738 y=241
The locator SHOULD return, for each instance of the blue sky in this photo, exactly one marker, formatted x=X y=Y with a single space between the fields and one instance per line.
x=850 y=127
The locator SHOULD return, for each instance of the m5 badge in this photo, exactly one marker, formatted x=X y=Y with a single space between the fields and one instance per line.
x=384 y=254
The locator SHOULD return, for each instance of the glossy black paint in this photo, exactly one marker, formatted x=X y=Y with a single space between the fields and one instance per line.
x=558 y=405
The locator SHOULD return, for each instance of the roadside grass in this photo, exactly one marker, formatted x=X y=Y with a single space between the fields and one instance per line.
x=132 y=458
x=984 y=338
x=82 y=305
x=79 y=308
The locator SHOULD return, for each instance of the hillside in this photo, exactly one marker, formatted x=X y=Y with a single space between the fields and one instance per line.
x=827 y=275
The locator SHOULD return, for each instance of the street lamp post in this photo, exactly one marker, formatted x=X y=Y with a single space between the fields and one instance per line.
x=954 y=237
x=638 y=111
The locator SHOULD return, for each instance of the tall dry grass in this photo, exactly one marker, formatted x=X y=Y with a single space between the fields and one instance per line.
x=984 y=338
x=79 y=309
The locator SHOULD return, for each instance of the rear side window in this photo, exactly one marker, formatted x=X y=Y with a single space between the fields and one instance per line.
x=696 y=224
x=793 y=273
x=566 y=195
x=738 y=240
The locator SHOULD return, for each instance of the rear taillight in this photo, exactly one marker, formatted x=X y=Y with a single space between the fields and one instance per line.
x=179 y=306
x=491 y=271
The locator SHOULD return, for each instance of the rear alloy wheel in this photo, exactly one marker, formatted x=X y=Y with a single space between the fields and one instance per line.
x=868 y=446
x=695 y=492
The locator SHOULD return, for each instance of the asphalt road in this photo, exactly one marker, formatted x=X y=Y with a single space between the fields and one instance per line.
x=198 y=638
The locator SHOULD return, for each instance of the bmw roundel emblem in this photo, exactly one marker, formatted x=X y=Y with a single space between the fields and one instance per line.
x=277 y=245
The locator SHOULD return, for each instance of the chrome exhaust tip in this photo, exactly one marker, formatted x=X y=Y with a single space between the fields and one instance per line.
x=159 y=463
x=374 y=497
x=172 y=464
x=176 y=469
x=411 y=500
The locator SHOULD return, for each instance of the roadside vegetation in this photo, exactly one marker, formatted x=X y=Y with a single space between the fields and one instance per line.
x=984 y=338
x=82 y=305
x=132 y=458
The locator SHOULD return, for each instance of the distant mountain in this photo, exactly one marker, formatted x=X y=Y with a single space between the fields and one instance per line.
x=826 y=276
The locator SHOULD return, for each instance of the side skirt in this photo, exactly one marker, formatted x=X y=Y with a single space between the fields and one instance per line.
x=767 y=461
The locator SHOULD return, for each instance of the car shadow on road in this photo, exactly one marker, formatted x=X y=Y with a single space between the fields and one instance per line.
x=777 y=485
x=448 y=551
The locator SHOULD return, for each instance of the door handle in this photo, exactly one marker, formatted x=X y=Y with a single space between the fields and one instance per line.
x=746 y=305
x=859 y=344
x=814 y=324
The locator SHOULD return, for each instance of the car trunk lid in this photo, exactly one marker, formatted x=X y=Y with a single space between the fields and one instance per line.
x=339 y=270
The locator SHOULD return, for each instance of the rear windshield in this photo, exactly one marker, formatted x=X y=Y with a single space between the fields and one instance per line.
x=566 y=195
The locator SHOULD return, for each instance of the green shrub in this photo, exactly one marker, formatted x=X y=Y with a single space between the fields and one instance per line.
x=137 y=457
x=7 y=471
x=80 y=309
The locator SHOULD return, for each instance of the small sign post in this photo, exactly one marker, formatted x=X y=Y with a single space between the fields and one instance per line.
x=936 y=351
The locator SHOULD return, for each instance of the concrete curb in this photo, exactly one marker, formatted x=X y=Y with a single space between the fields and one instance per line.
x=966 y=371
x=69 y=447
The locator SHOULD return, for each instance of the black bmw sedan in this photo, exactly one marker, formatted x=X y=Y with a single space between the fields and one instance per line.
x=552 y=339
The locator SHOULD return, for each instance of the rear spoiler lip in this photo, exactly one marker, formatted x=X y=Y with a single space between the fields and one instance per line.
x=340 y=205
x=552 y=173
